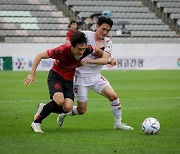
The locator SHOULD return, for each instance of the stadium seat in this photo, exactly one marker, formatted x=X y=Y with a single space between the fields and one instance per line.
x=38 y=20
x=166 y=10
x=26 y=19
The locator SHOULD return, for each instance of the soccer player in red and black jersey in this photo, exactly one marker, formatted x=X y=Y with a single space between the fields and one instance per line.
x=72 y=28
x=60 y=79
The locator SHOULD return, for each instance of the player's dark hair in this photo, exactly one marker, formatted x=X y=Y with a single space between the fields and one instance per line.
x=72 y=21
x=78 y=38
x=103 y=19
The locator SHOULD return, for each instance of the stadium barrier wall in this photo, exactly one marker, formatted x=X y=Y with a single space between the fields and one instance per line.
x=19 y=57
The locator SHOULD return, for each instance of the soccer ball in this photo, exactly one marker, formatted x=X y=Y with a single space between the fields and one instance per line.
x=150 y=126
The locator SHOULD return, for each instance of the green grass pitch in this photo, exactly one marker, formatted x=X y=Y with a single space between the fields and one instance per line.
x=142 y=93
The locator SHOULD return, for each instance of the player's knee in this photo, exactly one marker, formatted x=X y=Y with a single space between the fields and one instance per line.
x=59 y=101
x=67 y=105
x=81 y=110
x=113 y=97
x=67 y=109
x=58 y=98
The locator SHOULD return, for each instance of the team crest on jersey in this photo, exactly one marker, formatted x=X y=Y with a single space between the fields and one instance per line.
x=75 y=90
x=109 y=46
x=57 y=86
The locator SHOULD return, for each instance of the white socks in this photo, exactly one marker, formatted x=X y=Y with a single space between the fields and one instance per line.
x=73 y=111
x=117 y=111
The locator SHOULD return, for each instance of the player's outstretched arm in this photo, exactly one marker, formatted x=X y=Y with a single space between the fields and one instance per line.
x=98 y=52
x=100 y=61
x=31 y=77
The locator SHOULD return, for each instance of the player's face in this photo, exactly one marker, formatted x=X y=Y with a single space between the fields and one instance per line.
x=78 y=51
x=103 y=30
x=73 y=26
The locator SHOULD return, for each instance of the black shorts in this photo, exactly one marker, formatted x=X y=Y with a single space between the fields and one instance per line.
x=57 y=84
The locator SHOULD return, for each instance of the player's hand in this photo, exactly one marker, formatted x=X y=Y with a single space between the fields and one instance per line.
x=30 y=79
x=112 y=62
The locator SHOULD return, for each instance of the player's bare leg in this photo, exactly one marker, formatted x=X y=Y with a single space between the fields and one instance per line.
x=109 y=93
x=77 y=110
x=60 y=106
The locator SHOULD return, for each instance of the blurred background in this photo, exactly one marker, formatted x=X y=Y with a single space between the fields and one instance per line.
x=145 y=34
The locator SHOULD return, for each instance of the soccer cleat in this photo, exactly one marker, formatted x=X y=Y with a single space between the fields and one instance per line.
x=36 y=127
x=122 y=126
x=60 y=119
x=40 y=107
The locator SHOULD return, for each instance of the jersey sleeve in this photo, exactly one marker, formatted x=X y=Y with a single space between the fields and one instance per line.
x=108 y=46
x=68 y=35
x=55 y=52
x=89 y=49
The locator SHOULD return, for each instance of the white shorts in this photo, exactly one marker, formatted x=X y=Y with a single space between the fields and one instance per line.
x=81 y=92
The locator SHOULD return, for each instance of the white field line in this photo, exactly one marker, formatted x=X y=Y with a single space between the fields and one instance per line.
x=91 y=99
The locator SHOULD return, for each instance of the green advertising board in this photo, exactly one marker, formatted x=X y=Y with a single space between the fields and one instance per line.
x=5 y=63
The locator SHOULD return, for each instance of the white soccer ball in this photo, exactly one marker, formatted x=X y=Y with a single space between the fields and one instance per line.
x=150 y=126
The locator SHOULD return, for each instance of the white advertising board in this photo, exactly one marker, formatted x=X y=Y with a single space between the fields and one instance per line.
x=129 y=56
x=21 y=63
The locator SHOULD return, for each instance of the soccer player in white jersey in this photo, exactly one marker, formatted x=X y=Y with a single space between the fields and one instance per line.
x=89 y=76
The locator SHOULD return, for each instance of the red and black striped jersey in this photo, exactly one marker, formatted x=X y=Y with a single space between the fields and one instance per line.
x=65 y=63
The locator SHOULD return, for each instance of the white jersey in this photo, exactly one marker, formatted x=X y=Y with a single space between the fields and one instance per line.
x=93 y=70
